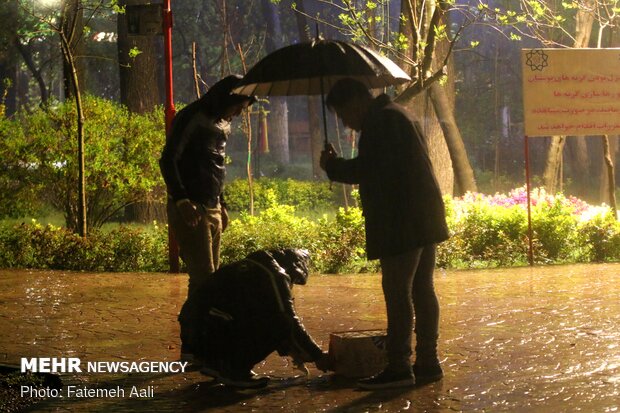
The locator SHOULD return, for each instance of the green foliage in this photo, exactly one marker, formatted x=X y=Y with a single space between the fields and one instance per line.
x=547 y=21
x=117 y=8
x=342 y=243
x=123 y=249
x=18 y=189
x=268 y=192
x=492 y=230
x=134 y=52
x=483 y=235
x=121 y=152
x=275 y=227
x=6 y=85
x=599 y=237
x=336 y=244
x=487 y=231
x=555 y=227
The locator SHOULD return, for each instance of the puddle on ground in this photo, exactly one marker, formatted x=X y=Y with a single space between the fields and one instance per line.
x=525 y=339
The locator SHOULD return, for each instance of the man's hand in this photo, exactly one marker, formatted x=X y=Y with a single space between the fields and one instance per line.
x=189 y=212
x=224 y=218
x=324 y=362
x=327 y=154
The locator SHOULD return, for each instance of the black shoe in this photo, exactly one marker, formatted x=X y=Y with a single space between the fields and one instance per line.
x=212 y=369
x=187 y=353
x=427 y=374
x=193 y=362
x=387 y=380
x=246 y=380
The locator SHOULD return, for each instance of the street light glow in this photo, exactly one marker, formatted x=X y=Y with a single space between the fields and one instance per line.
x=47 y=3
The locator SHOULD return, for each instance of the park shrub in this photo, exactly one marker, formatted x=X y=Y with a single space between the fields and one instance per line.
x=18 y=188
x=491 y=230
x=487 y=231
x=269 y=192
x=483 y=234
x=341 y=243
x=598 y=236
x=275 y=227
x=39 y=152
x=336 y=243
x=125 y=248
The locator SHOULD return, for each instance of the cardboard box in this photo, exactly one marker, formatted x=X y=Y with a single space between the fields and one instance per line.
x=358 y=353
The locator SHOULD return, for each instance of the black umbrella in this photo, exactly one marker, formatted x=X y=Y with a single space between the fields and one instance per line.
x=312 y=68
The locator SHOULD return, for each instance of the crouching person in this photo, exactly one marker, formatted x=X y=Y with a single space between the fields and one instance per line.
x=244 y=312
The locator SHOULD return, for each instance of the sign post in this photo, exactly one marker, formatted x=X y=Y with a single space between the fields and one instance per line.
x=173 y=248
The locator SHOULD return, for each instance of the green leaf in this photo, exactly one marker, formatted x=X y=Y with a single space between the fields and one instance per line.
x=134 y=52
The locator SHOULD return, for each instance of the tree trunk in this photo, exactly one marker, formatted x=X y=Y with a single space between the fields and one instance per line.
x=609 y=151
x=8 y=59
x=583 y=29
x=69 y=61
x=415 y=26
x=278 y=121
x=316 y=139
x=463 y=173
x=608 y=156
x=552 y=176
x=72 y=26
x=140 y=92
x=422 y=107
x=26 y=54
x=139 y=76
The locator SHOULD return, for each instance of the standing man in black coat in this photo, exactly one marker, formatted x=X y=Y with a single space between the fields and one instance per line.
x=193 y=166
x=405 y=219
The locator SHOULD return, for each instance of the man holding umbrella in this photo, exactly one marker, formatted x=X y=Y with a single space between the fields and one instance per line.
x=405 y=219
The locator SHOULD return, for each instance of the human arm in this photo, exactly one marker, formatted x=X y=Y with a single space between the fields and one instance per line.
x=169 y=162
x=339 y=169
x=298 y=344
x=224 y=211
x=188 y=211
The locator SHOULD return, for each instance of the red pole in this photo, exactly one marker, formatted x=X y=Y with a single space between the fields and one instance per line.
x=169 y=111
x=530 y=232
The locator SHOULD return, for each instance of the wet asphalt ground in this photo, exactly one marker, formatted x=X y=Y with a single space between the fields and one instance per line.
x=543 y=339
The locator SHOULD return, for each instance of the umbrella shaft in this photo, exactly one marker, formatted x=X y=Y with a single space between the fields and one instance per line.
x=324 y=114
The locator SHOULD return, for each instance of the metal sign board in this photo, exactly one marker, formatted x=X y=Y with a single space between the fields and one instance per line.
x=572 y=92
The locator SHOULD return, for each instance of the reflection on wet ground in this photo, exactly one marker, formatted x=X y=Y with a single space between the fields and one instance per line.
x=543 y=339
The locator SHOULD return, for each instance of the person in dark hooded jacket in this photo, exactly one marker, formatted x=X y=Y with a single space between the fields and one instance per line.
x=244 y=312
x=193 y=166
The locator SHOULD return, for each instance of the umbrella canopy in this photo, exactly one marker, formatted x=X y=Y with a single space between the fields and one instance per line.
x=312 y=68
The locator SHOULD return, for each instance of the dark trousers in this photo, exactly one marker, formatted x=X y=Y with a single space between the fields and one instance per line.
x=408 y=289
x=239 y=344
x=199 y=248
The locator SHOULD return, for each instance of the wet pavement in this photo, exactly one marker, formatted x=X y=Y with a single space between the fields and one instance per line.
x=544 y=339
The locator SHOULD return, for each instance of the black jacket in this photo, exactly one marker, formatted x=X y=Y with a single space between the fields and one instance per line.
x=245 y=309
x=401 y=200
x=192 y=161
